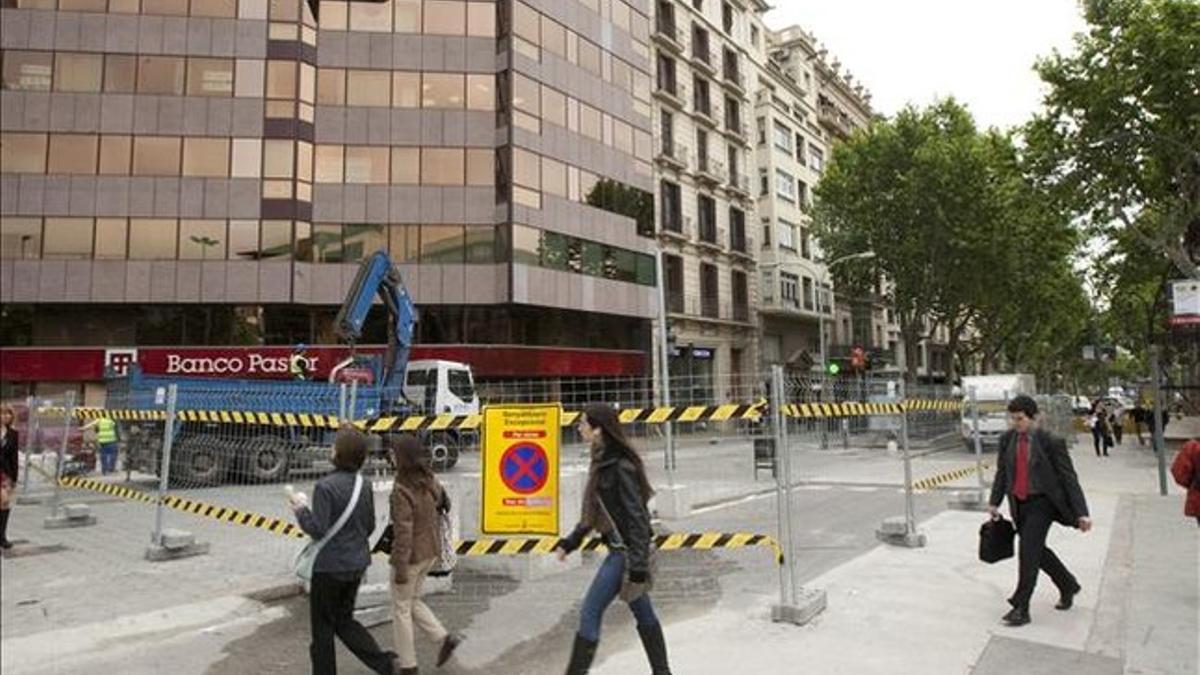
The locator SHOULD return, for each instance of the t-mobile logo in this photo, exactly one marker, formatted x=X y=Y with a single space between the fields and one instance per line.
x=118 y=360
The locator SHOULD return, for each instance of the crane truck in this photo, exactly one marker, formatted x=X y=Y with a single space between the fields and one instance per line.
x=210 y=450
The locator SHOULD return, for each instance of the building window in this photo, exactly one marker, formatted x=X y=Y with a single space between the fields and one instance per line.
x=202 y=240
x=787 y=234
x=672 y=213
x=783 y=138
x=78 y=72
x=700 y=98
x=737 y=230
x=709 y=291
x=706 y=215
x=764 y=183
x=808 y=293
x=800 y=149
x=28 y=71
x=805 y=244
x=816 y=160
x=72 y=154
x=67 y=238
x=802 y=194
x=741 y=296
x=153 y=239
x=160 y=75
x=733 y=115
x=788 y=288
x=665 y=80
x=762 y=130
x=727 y=18
x=673 y=270
x=754 y=36
x=785 y=185
x=210 y=77
x=700 y=44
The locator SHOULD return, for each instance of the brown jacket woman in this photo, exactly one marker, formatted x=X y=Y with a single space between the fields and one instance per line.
x=416 y=543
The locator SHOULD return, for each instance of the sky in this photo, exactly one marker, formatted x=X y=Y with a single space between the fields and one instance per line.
x=979 y=51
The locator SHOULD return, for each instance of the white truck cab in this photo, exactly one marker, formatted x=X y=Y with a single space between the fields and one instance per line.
x=992 y=394
x=441 y=387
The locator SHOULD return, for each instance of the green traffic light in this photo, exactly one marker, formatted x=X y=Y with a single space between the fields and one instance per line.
x=833 y=368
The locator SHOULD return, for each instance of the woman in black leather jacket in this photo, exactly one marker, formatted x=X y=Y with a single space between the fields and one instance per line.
x=614 y=505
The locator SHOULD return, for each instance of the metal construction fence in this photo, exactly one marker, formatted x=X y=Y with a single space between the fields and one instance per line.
x=192 y=465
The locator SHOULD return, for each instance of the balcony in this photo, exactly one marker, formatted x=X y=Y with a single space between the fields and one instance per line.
x=702 y=59
x=674 y=225
x=674 y=95
x=708 y=308
x=837 y=121
x=739 y=184
x=702 y=111
x=671 y=153
x=667 y=36
x=707 y=236
x=733 y=79
x=710 y=171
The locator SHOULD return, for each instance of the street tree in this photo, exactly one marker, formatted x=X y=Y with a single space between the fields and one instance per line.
x=1119 y=136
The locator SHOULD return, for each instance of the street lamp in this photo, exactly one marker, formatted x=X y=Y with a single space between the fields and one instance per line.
x=822 y=281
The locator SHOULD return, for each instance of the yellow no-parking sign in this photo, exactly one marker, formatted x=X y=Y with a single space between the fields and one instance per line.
x=520 y=468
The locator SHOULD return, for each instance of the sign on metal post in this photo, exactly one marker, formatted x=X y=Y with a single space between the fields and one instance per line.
x=520 y=457
x=164 y=470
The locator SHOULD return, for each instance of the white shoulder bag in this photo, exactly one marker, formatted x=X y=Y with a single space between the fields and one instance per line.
x=307 y=556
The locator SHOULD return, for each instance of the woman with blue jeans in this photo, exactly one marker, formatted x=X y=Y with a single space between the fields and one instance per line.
x=614 y=505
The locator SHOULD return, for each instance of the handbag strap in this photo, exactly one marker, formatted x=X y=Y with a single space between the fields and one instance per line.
x=341 y=521
x=618 y=542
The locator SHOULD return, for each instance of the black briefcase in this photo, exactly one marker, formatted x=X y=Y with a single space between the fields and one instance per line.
x=996 y=540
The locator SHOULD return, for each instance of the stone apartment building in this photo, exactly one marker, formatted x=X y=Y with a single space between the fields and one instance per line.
x=704 y=204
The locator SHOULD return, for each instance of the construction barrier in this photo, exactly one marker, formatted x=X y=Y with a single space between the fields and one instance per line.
x=947 y=477
x=469 y=547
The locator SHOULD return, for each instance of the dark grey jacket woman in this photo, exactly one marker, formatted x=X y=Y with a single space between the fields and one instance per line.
x=339 y=567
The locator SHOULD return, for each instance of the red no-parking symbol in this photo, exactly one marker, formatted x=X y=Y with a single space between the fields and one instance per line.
x=524 y=468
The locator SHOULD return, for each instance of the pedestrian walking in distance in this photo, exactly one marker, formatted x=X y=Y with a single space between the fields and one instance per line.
x=1101 y=432
x=339 y=567
x=416 y=500
x=614 y=505
x=1034 y=471
x=8 y=471
x=1186 y=471
x=1117 y=421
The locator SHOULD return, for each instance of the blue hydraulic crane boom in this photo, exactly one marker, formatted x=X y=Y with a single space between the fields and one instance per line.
x=378 y=276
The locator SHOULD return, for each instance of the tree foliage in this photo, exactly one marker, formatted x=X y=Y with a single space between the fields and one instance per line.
x=1119 y=137
x=964 y=237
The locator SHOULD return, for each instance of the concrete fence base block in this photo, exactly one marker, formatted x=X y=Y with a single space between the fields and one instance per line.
x=29 y=500
x=672 y=502
x=809 y=604
x=968 y=500
x=894 y=531
x=70 y=515
x=529 y=567
x=175 y=544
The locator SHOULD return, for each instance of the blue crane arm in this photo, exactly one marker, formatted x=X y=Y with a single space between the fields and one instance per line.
x=377 y=275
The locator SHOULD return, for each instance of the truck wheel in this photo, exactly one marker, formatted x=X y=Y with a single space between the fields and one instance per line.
x=443 y=451
x=199 y=461
x=267 y=458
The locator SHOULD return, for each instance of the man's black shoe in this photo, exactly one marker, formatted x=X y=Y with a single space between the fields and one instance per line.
x=1019 y=616
x=1067 y=598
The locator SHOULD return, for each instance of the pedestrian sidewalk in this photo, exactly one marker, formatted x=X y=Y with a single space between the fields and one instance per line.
x=937 y=609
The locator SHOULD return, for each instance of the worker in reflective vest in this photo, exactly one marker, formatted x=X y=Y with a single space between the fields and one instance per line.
x=298 y=364
x=106 y=438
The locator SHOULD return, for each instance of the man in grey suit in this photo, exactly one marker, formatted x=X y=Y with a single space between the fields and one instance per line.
x=1035 y=472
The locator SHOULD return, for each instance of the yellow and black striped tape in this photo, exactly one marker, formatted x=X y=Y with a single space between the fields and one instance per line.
x=856 y=409
x=470 y=547
x=947 y=477
x=702 y=541
x=393 y=423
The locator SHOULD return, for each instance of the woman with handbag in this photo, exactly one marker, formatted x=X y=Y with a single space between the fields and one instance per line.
x=340 y=522
x=614 y=505
x=8 y=471
x=417 y=498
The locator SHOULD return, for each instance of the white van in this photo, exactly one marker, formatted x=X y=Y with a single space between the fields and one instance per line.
x=439 y=387
x=992 y=394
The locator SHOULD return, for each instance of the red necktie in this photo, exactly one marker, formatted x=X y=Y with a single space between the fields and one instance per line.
x=1021 y=480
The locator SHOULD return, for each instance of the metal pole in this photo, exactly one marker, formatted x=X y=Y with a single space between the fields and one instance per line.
x=69 y=414
x=664 y=369
x=164 y=468
x=978 y=440
x=910 y=519
x=30 y=435
x=1159 y=443
x=781 y=447
x=342 y=402
x=353 y=411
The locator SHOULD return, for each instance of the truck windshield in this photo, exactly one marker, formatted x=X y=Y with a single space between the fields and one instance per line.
x=460 y=384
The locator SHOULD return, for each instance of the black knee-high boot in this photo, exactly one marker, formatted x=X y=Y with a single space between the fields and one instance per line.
x=4 y=542
x=656 y=649
x=582 y=653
